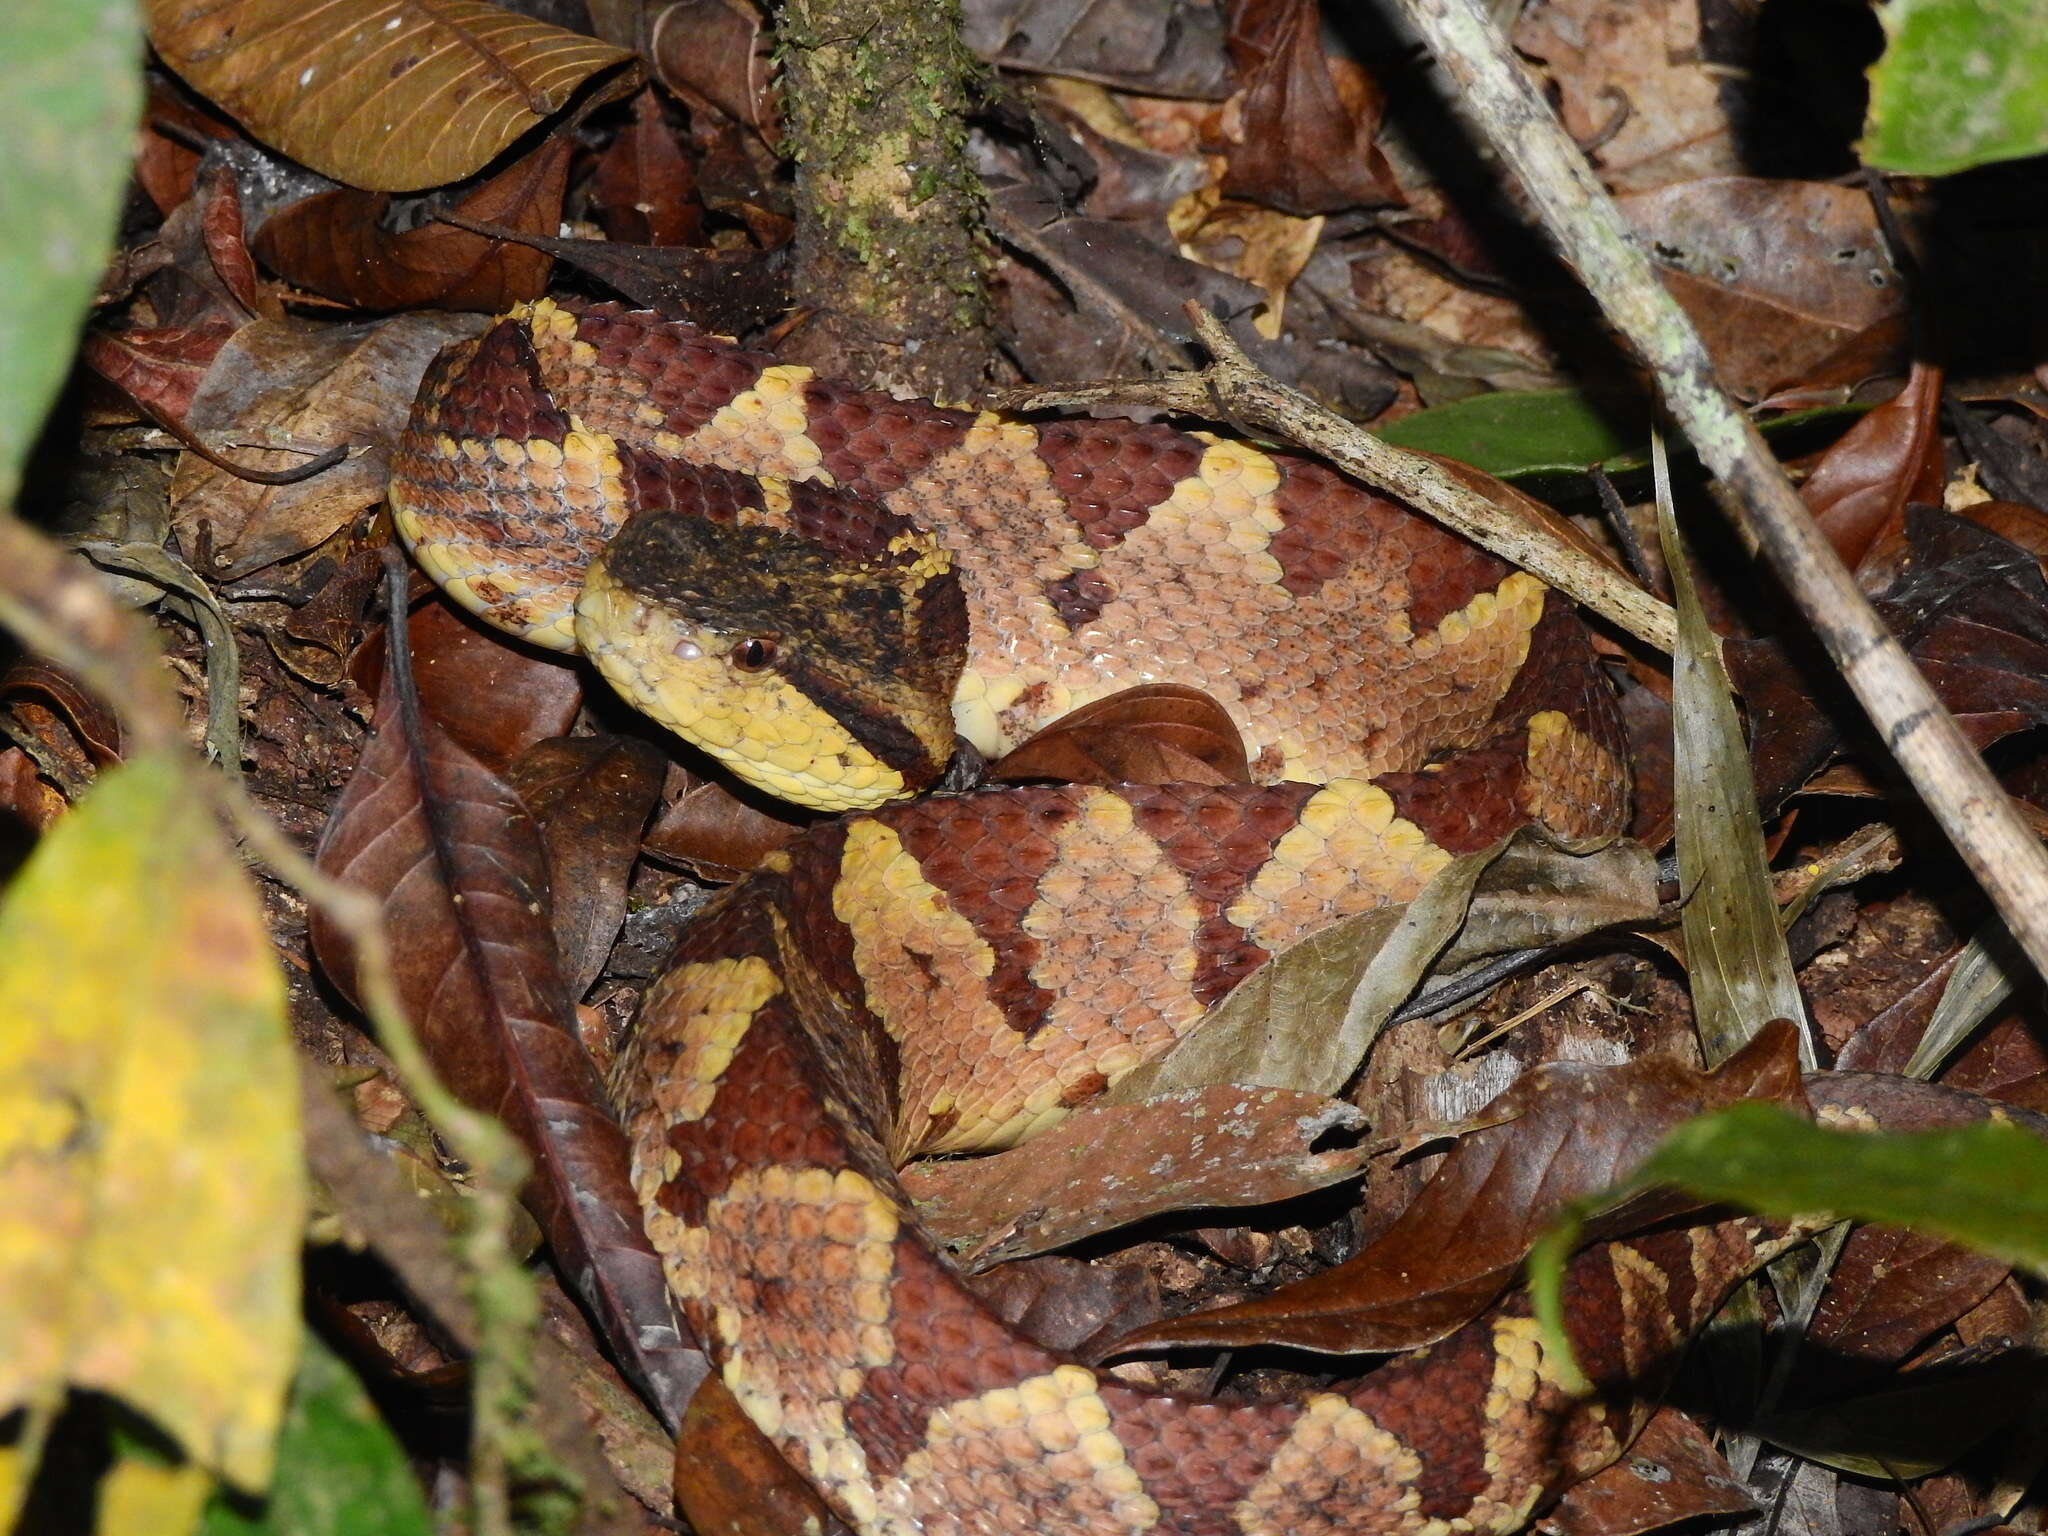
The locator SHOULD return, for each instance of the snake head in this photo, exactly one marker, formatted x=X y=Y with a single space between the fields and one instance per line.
x=810 y=641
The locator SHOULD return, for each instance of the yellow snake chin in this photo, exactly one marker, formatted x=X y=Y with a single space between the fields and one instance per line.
x=765 y=730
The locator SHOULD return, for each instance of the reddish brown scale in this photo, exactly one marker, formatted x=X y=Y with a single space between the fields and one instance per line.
x=1113 y=473
x=1469 y=802
x=1561 y=673
x=987 y=855
x=1079 y=597
x=873 y=443
x=1219 y=838
x=848 y=525
x=493 y=392
x=688 y=376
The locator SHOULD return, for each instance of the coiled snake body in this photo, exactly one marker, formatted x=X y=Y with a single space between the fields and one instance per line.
x=821 y=587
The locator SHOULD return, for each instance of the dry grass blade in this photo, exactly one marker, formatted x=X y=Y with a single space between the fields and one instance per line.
x=1740 y=970
x=386 y=95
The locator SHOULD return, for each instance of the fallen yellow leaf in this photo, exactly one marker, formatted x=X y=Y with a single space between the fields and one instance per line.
x=151 y=1191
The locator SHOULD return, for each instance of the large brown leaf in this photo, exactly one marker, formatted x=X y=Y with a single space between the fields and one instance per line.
x=1108 y=1165
x=338 y=243
x=457 y=864
x=1560 y=1132
x=1671 y=1473
x=312 y=388
x=387 y=95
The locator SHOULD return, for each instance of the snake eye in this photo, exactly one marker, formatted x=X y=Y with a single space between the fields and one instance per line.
x=754 y=654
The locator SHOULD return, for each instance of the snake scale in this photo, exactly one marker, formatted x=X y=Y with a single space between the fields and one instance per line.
x=823 y=587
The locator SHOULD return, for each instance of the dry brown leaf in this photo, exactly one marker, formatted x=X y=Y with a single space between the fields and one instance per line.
x=386 y=95
x=644 y=187
x=456 y=865
x=1671 y=1473
x=1559 y=1132
x=1632 y=78
x=1107 y=1166
x=1789 y=282
x=1308 y=120
x=1158 y=733
x=730 y=1478
x=337 y=243
x=314 y=387
x=709 y=829
x=1892 y=1288
x=493 y=695
x=1263 y=246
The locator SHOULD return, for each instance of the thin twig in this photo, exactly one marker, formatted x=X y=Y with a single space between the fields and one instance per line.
x=1232 y=388
x=1588 y=231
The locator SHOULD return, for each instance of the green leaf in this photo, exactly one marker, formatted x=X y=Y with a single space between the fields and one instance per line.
x=151 y=1184
x=1961 y=83
x=1515 y=432
x=340 y=1472
x=70 y=93
x=1983 y=1186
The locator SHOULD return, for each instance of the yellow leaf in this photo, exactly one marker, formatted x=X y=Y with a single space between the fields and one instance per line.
x=151 y=1194
x=145 y=1498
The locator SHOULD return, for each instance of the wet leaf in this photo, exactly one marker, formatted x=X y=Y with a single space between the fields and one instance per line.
x=458 y=865
x=1106 y=1166
x=1305 y=1019
x=1735 y=952
x=311 y=387
x=340 y=1470
x=1961 y=83
x=378 y=94
x=69 y=94
x=591 y=796
x=1671 y=1473
x=494 y=696
x=1860 y=489
x=1160 y=733
x=152 y=1195
x=1559 y=1132
x=340 y=243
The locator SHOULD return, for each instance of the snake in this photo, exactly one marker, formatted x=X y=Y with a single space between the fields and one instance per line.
x=835 y=593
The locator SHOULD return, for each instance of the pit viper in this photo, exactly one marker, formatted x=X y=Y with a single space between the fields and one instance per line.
x=827 y=590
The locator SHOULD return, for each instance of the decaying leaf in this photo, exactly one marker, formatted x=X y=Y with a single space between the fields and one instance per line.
x=1559 y=1132
x=1672 y=1473
x=151 y=1197
x=1892 y=1288
x=339 y=244
x=1735 y=953
x=1068 y=1304
x=1106 y=1166
x=1305 y=1019
x=494 y=696
x=709 y=829
x=1159 y=733
x=455 y=859
x=1309 y=120
x=311 y=388
x=1788 y=282
x=379 y=94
